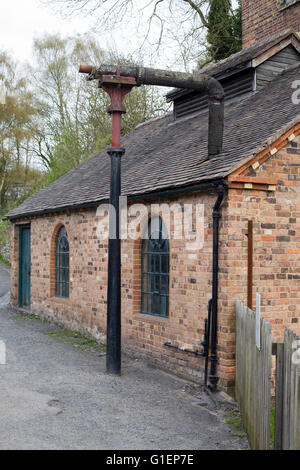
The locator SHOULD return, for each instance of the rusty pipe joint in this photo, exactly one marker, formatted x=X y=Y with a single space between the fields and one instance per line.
x=196 y=81
x=215 y=89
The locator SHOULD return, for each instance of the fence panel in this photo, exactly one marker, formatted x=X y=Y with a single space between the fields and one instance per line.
x=291 y=393
x=253 y=376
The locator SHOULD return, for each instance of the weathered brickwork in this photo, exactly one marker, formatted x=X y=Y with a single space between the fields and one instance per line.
x=85 y=310
x=264 y=18
x=276 y=257
x=276 y=219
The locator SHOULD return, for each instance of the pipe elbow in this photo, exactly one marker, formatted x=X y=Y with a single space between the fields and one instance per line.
x=221 y=194
x=215 y=89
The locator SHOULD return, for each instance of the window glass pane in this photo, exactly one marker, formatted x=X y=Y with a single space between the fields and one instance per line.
x=155 y=269
x=144 y=303
x=164 y=280
x=155 y=305
x=146 y=283
x=155 y=262
x=164 y=305
x=144 y=261
x=62 y=264
x=156 y=283
x=149 y=303
x=154 y=224
x=165 y=264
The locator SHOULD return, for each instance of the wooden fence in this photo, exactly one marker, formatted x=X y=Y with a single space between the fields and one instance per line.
x=253 y=376
x=287 y=425
x=254 y=351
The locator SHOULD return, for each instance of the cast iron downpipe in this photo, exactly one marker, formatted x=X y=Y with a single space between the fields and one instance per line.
x=206 y=342
x=117 y=81
x=213 y=318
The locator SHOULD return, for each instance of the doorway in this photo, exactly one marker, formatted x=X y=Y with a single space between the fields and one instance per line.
x=24 y=266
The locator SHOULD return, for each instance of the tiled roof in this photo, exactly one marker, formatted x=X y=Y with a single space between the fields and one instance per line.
x=237 y=61
x=161 y=154
x=247 y=54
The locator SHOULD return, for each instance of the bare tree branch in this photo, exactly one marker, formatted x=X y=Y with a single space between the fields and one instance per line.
x=198 y=11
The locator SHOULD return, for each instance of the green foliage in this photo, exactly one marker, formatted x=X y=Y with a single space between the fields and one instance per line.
x=272 y=425
x=75 y=122
x=26 y=316
x=17 y=116
x=4 y=261
x=237 y=26
x=234 y=421
x=4 y=230
x=78 y=340
x=53 y=119
x=224 y=29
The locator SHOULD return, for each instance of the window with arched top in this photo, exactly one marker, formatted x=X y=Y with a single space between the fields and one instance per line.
x=155 y=269
x=62 y=264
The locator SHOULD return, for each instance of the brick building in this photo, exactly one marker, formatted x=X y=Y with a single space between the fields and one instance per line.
x=59 y=262
x=264 y=18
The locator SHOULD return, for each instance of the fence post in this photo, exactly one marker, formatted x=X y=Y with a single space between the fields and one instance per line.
x=253 y=371
x=258 y=322
x=297 y=411
x=279 y=396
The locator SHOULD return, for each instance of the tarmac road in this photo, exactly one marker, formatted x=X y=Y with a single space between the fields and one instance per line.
x=54 y=395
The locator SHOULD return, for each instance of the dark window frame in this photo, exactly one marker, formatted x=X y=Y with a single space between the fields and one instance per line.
x=155 y=270
x=62 y=264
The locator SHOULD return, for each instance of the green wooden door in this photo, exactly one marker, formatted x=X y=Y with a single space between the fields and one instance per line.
x=24 y=266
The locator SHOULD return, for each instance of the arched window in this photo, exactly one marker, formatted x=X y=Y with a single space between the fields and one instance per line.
x=155 y=269
x=62 y=264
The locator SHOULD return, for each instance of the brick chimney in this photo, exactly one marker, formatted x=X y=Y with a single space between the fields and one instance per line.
x=264 y=18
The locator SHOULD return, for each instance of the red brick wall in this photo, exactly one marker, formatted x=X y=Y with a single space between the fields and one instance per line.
x=276 y=219
x=264 y=18
x=276 y=259
x=85 y=310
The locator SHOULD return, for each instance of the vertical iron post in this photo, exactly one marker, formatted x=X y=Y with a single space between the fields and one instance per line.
x=113 y=329
x=117 y=87
x=214 y=305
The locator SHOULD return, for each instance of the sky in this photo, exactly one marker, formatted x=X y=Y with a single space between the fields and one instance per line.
x=23 y=20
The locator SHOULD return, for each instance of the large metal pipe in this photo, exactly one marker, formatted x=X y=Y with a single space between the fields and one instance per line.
x=168 y=78
x=113 y=330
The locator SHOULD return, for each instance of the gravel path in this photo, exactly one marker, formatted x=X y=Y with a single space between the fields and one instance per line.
x=4 y=280
x=56 y=395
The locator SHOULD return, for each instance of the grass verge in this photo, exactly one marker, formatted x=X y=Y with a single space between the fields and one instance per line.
x=234 y=421
x=78 y=340
x=272 y=426
x=26 y=316
x=4 y=261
